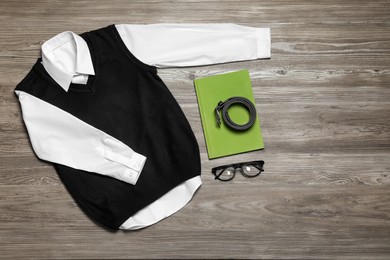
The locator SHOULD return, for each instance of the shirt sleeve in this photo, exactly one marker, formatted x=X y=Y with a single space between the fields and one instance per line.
x=180 y=45
x=62 y=138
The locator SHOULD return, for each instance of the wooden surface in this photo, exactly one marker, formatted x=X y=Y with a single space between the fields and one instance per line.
x=324 y=104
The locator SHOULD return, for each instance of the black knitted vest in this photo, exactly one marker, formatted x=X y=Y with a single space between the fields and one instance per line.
x=127 y=100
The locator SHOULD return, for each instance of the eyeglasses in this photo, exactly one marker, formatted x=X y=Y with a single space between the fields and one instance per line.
x=248 y=169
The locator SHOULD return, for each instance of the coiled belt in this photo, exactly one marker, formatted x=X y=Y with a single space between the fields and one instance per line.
x=225 y=115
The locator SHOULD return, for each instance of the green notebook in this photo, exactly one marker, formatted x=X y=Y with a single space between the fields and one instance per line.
x=222 y=140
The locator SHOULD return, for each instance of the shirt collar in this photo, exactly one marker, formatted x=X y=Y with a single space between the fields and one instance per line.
x=66 y=55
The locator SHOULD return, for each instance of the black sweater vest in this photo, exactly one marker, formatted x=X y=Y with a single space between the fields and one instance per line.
x=127 y=100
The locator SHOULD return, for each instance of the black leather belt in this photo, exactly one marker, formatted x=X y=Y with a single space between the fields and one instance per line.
x=225 y=115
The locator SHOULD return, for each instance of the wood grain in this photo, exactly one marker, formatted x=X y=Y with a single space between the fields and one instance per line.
x=324 y=104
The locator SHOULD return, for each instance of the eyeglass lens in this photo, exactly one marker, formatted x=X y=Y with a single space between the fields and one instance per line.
x=250 y=170
x=225 y=174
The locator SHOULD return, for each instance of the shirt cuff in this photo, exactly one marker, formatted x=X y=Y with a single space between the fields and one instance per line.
x=263 y=43
x=133 y=164
x=127 y=165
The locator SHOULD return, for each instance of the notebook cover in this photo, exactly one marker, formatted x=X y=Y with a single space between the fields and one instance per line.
x=223 y=141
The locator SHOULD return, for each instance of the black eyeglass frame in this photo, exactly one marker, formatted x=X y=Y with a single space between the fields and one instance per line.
x=258 y=164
